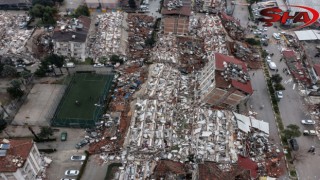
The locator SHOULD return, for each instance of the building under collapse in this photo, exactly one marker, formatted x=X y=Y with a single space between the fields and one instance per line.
x=224 y=81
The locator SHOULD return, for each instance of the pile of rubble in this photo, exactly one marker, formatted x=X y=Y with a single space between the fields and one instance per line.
x=214 y=35
x=192 y=56
x=110 y=35
x=166 y=50
x=13 y=35
x=140 y=28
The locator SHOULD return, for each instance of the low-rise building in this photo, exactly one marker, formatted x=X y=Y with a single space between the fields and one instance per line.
x=224 y=81
x=70 y=37
x=19 y=160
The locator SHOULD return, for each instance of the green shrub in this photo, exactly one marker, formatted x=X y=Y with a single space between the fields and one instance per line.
x=293 y=173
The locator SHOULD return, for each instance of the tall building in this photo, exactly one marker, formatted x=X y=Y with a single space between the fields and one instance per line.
x=224 y=81
x=19 y=159
x=70 y=37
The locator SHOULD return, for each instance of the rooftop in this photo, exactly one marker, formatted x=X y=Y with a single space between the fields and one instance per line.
x=15 y=155
x=288 y=54
x=234 y=72
x=75 y=30
x=316 y=68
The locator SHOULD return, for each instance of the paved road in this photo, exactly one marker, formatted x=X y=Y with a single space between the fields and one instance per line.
x=292 y=110
x=260 y=96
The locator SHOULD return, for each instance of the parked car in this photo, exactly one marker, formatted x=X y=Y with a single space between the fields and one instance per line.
x=272 y=65
x=67 y=179
x=308 y=122
x=69 y=65
x=276 y=36
x=265 y=29
x=98 y=65
x=82 y=143
x=294 y=144
x=64 y=136
x=78 y=158
x=268 y=59
x=279 y=94
x=309 y=133
x=71 y=172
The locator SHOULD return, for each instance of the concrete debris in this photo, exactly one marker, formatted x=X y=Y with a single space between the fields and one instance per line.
x=13 y=34
x=213 y=33
x=110 y=37
x=166 y=50
x=140 y=28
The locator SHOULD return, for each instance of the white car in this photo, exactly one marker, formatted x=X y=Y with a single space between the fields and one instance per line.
x=276 y=36
x=309 y=133
x=308 y=122
x=78 y=158
x=98 y=65
x=67 y=179
x=272 y=65
x=265 y=29
x=279 y=94
x=268 y=59
x=71 y=172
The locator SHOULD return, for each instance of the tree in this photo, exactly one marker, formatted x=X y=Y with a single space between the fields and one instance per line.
x=57 y=60
x=279 y=87
x=26 y=75
x=276 y=78
x=252 y=41
x=103 y=60
x=82 y=10
x=116 y=59
x=1 y=67
x=132 y=4
x=16 y=83
x=9 y=71
x=291 y=131
x=15 y=92
x=150 y=41
x=264 y=54
x=45 y=132
x=45 y=13
x=42 y=69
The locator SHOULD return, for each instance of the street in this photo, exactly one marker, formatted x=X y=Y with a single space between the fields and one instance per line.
x=292 y=107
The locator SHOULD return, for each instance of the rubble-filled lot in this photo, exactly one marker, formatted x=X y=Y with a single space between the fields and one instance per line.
x=13 y=35
x=140 y=28
x=168 y=123
x=110 y=35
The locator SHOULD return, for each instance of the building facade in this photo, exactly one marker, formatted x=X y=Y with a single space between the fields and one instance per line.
x=19 y=160
x=70 y=38
x=224 y=82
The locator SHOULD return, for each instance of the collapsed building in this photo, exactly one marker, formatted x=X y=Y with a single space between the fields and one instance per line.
x=13 y=35
x=110 y=37
x=171 y=131
x=224 y=82
x=70 y=37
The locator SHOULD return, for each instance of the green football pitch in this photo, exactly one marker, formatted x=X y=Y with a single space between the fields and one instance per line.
x=84 y=91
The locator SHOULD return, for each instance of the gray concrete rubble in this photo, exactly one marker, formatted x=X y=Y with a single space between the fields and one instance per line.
x=214 y=35
x=13 y=34
x=110 y=36
x=169 y=123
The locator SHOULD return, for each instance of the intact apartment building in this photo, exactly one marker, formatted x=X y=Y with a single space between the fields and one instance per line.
x=224 y=81
x=70 y=37
x=104 y=4
x=19 y=159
